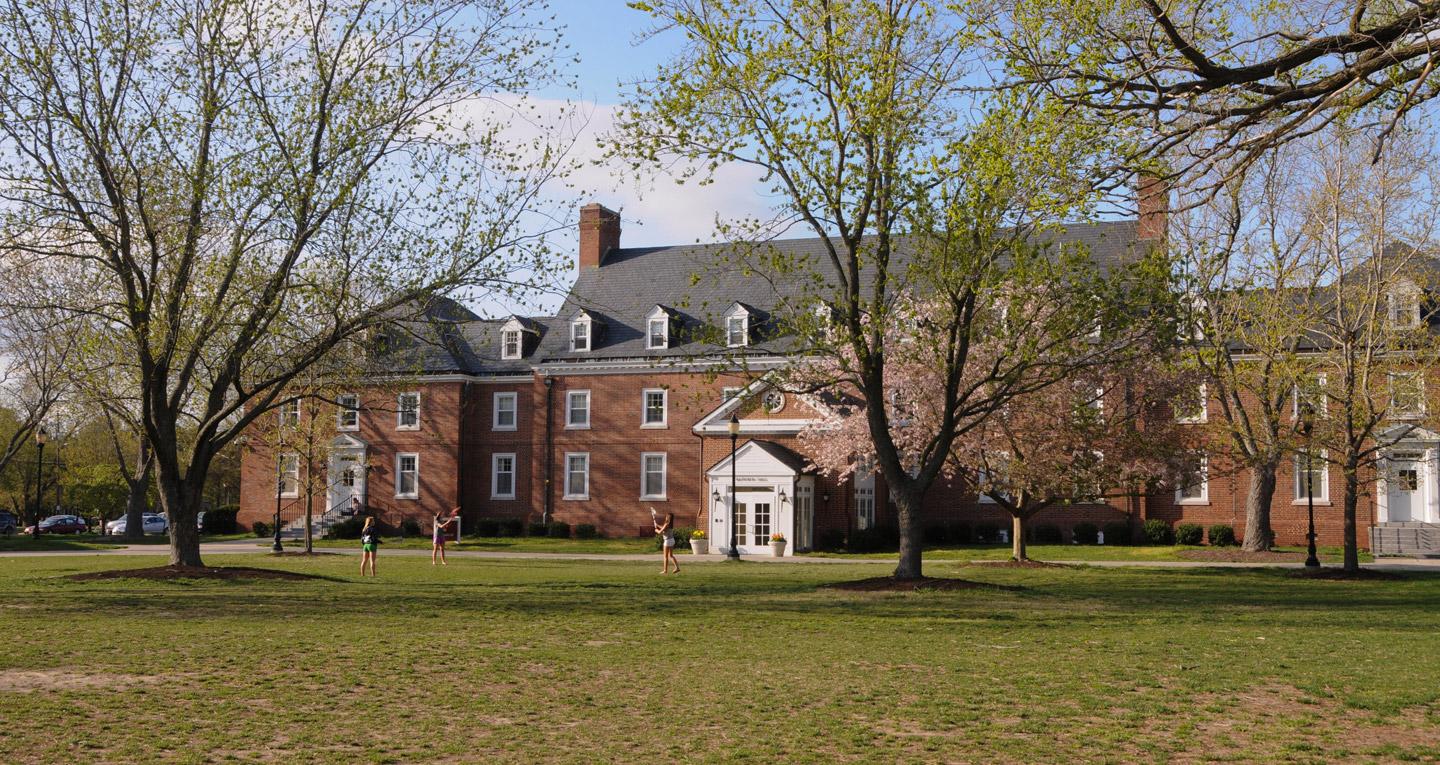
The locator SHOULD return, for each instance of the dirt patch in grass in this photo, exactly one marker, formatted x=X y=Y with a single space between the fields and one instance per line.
x=1341 y=575
x=191 y=572
x=28 y=680
x=1017 y=564
x=1236 y=555
x=891 y=584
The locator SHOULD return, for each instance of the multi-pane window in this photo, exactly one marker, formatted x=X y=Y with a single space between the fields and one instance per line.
x=652 y=475
x=654 y=403
x=577 y=476
x=505 y=411
x=735 y=331
x=407 y=411
x=1404 y=308
x=289 y=475
x=1310 y=392
x=580 y=335
x=760 y=526
x=577 y=409
x=1194 y=484
x=502 y=476
x=1407 y=394
x=657 y=334
x=290 y=413
x=1312 y=474
x=864 y=507
x=348 y=417
x=407 y=476
x=1194 y=410
x=510 y=344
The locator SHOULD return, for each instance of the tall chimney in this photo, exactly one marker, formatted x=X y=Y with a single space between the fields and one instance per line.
x=599 y=234
x=1152 y=197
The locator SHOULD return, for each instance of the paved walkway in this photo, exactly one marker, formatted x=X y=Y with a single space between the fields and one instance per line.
x=252 y=546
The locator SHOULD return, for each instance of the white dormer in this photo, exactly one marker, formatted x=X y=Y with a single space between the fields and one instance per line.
x=512 y=340
x=737 y=326
x=657 y=328
x=582 y=332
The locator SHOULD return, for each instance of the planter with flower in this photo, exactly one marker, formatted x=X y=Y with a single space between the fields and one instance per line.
x=777 y=545
x=699 y=544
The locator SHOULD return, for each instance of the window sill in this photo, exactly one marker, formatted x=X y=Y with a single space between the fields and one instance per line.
x=503 y=429
x=577 y=427
x=348 y=429
x=506 y=497
x=654 y=426
x=407 y=428
x=411 y=497
x=576 y=497
x=290 y=496
x=654 y=499
x=1193 y=502
x=1318 y=502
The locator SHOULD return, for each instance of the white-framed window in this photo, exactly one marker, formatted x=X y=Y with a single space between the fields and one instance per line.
x=864 y=506
x=1404 y=305
x=1312 y=474
x=407 y=411
x=737 y=331
x=657 y=329
x=577 y=475
x=506 y=411
x=1196 y=410
x=654 y=402
x=407 y=476
x=288 y=479
x=1407 y=394
x=348 y=415
x=290 y=413
x=652 y=475
x=510 y=344
x=1310 y=391
x=1194 y=483
x=502 y=476
x=580 y=334
x=577 y=409
x=774 y=401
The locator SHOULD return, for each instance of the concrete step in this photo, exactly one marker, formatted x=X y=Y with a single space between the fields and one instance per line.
x=1406 y=538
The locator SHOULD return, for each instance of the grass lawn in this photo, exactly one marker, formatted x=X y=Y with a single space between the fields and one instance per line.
x=21 y=542
x=509 y=544
x=1079 y=553
x=585 y=662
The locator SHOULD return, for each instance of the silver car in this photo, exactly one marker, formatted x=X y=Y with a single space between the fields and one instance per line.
x=153 y=523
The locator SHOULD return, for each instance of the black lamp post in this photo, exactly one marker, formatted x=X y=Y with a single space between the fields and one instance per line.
x=734 y=495
x=279 y=491
x=40 y=438
x=1307 y=427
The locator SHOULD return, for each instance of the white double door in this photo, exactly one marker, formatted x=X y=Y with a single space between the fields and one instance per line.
x=757 y=513
x=347 y=480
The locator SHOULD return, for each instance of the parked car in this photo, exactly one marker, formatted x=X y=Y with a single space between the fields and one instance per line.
x=153 y=523
x=8 y=524
x=61 y=524
x=200 y=521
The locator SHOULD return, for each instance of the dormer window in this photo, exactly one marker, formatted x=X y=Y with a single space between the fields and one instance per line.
x=1404 y=307
x=737 y=326
x=657 y=329
x=580 y=333
x=510 y=344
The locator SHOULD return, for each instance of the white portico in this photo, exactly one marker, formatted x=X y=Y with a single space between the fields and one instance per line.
x=1408 y=476
x=770 y=494
x=346 y=476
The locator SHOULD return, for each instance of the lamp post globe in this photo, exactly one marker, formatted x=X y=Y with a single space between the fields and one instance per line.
x=734 y=553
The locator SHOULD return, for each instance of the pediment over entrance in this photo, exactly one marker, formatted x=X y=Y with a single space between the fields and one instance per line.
x=750 y=404
x=763 y=458
x=345 y=441
x=1400 y=433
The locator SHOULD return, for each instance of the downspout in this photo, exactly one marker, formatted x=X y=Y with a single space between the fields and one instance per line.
x=549 y=449
x=704 y=498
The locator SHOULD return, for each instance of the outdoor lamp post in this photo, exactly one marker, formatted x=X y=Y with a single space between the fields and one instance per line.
x=734 y=495
x=1307 y=428
x=279 y=491
x=40 y=438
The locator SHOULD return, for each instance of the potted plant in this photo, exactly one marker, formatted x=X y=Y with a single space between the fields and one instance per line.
x=699 y=545
x=777 y=545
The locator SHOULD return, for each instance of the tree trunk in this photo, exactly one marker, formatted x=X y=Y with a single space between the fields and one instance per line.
x=1259 y=536
x=309 y=515
x=181 y=502
x=1017 y=537
x=907 y=516
x=135 y=507
x=1352 y=499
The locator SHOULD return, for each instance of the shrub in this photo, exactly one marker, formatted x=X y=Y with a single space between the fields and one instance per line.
x=559 y=530
x=827 y=539
x=960 y=533
x=876 y=539
x=587 y=531
x=1222 y=535
x=987 y=533
x=487 y=527
x=1189 y=534
x=1118 y=533
x=1158 y=532
x=261 y=529
x=221 y=520
x=512 y=527
x=1046 y=534
x=349 y=528
x=536 y=529
x=1085 y=533
x=937 y=535
x=410 y=528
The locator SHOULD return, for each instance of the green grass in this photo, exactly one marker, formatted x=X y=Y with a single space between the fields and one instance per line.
x=52 y=542
x=583 y=662
x=512 y=544
x=1074 y=553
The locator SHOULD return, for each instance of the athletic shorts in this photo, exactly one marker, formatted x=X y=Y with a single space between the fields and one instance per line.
x=367 y=548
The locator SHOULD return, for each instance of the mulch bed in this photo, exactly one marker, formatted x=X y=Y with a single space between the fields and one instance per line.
x=1236 y=555
x=162 y=573
x=1017 y=564
x=1341 y=575
x=891 y=584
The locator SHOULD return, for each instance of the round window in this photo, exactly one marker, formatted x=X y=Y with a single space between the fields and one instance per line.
x=774 y=401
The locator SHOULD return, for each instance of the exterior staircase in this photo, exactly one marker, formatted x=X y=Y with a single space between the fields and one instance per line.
x=319 y=528
x=1408 y=538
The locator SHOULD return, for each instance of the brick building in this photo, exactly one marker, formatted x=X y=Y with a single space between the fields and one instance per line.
x=620 y=403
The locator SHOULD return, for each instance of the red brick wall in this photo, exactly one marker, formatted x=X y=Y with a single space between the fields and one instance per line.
x=482 y=442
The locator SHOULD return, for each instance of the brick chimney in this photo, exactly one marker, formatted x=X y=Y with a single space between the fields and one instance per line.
x=1152 y=197
x=599 y=234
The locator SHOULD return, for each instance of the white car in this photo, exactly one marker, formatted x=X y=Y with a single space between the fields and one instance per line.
x=154 y=523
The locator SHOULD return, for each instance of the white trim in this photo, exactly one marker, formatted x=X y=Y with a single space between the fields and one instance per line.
x=1204 y=498
x=635 y=365
x=568 y=493
x=664 y=475
x=399 y=473
x=658 y=314
x=664 y=408
x=1323 y=410
x=505 y=337
x=1203 y=415
x=569 y=407
x=342 y=410
x=283 y=473
x=744 y=320
x=1322 y=497
x=582 y=320
x=289 y=413
x=495 y=475
x=514 y=399
x=1408 y=414
x=400 y=410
